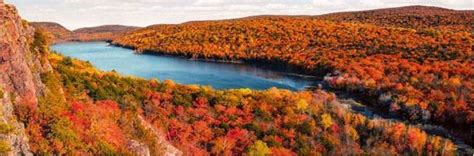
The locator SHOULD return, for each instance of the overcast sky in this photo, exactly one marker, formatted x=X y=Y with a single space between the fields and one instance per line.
x=81 y=13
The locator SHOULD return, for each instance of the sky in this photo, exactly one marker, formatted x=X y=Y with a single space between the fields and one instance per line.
x=75 y=14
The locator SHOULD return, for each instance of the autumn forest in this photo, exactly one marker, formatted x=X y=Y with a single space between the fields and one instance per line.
x=414 y=64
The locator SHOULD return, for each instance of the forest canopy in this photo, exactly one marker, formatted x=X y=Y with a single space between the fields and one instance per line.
x=422 y=75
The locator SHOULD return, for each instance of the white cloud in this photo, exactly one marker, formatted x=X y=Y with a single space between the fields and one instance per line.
x=208 y=2
x=80 y=13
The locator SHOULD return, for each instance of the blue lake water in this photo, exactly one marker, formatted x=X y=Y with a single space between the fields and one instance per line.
x=181 y=70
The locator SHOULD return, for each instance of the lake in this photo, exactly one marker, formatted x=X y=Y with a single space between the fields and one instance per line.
x=181 y=70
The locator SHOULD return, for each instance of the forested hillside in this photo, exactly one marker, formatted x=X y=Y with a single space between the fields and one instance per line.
x=101 y=33
x=421 y=75
x=57 y=32
x=201 y=120
x=414 y=17
x=106 y=28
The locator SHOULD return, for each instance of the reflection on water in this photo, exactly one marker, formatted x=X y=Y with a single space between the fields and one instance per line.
x=185 y=71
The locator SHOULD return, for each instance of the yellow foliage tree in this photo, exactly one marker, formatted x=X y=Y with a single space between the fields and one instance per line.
x=326 y=120
x=260 y=148
x=301 y=105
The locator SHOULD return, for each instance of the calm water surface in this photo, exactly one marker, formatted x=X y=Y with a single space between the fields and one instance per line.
x=185 y=71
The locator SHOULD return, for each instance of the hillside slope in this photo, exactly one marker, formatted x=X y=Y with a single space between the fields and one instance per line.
x=101 y=33
x=420 y=75
x=106 y=28
x=415 y=17
x=201 y=121
x=57 y=32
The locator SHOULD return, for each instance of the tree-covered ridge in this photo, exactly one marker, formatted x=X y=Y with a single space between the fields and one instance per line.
x=101 y=33
x=421 y=75
x=415 y=17
x=59 y=33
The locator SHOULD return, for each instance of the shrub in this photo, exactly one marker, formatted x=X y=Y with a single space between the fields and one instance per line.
x=6 y=128
x=5 y=147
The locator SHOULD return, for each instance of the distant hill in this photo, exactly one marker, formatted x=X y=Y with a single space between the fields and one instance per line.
x=415 y=17
x=100 y=33
x=106 y=28
x=58 y=32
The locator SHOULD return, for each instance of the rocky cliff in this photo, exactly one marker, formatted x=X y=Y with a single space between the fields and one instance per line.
x=20 y=83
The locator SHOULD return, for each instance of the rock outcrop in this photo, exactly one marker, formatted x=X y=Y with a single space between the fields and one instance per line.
x=167 y=148
x=138 y=148
x=20 y=81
